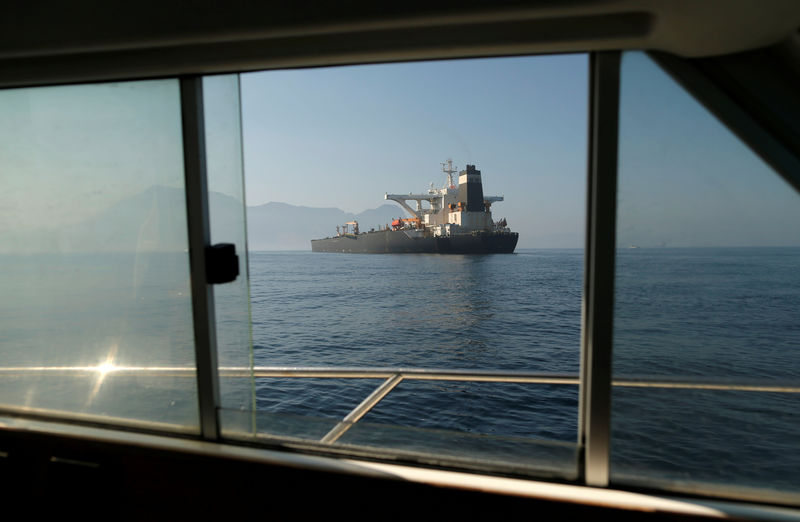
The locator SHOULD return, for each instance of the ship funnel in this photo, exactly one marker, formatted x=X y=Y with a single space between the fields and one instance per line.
x=470 y=189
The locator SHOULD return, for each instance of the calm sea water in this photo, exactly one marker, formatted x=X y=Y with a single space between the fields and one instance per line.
x=706 y=315
x=703 y=314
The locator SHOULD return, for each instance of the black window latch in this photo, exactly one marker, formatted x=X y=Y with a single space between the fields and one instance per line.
x=222 y=263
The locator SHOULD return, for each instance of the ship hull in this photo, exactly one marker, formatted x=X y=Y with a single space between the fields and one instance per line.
x=403 y=242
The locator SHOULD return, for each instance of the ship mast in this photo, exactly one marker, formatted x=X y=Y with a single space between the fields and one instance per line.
x=448 y=169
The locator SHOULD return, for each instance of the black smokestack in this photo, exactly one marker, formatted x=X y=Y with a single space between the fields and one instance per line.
x=470 y=191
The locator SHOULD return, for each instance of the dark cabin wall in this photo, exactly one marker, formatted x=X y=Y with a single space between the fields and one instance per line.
x=47 y=475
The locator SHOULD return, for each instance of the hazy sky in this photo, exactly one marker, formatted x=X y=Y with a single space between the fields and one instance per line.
x=685 y=179
x=342 y=137
x=82 y=148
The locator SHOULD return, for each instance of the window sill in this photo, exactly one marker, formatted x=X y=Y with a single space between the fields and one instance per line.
x=570 y=496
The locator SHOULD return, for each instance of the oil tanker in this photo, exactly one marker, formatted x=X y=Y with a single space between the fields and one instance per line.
x=456 y=219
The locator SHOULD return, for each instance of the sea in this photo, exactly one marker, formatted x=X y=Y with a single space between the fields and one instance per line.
x=725 y=316
x=72 y=323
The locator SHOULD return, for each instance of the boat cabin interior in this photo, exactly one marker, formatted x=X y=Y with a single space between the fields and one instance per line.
x=740 y=59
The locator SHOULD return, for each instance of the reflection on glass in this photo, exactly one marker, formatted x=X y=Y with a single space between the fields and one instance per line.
x=93 y=264
x=707 y=291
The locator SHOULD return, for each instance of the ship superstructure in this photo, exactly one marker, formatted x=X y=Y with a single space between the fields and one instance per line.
x=454 y=208
x=456 y=218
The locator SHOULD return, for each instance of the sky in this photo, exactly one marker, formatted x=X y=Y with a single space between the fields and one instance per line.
x=344 y=136
x=67 y=153
x=685 y=180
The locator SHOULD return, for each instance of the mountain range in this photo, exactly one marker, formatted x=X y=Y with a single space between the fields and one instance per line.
x=155 y=221
x=281 y=226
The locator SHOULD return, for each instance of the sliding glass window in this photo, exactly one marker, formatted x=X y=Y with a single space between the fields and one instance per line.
x=95 y=307
x=466 y=358
x=226 y=205
x=454 y=359
x=706 y=342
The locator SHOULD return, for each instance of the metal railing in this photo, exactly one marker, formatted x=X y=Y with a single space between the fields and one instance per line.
x=390 y=379
x=394 y=376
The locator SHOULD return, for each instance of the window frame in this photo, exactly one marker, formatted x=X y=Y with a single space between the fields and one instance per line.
x=597 y=309
x=594 y=410
x=594 y=429
x=199 y=225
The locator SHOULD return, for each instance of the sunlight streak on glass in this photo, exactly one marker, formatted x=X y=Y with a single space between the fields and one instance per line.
x=103 y=369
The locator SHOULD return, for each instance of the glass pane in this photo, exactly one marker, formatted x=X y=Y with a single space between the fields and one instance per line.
x=322 y=148
x=95 y=302
x=707 y=293
x=227 y=217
